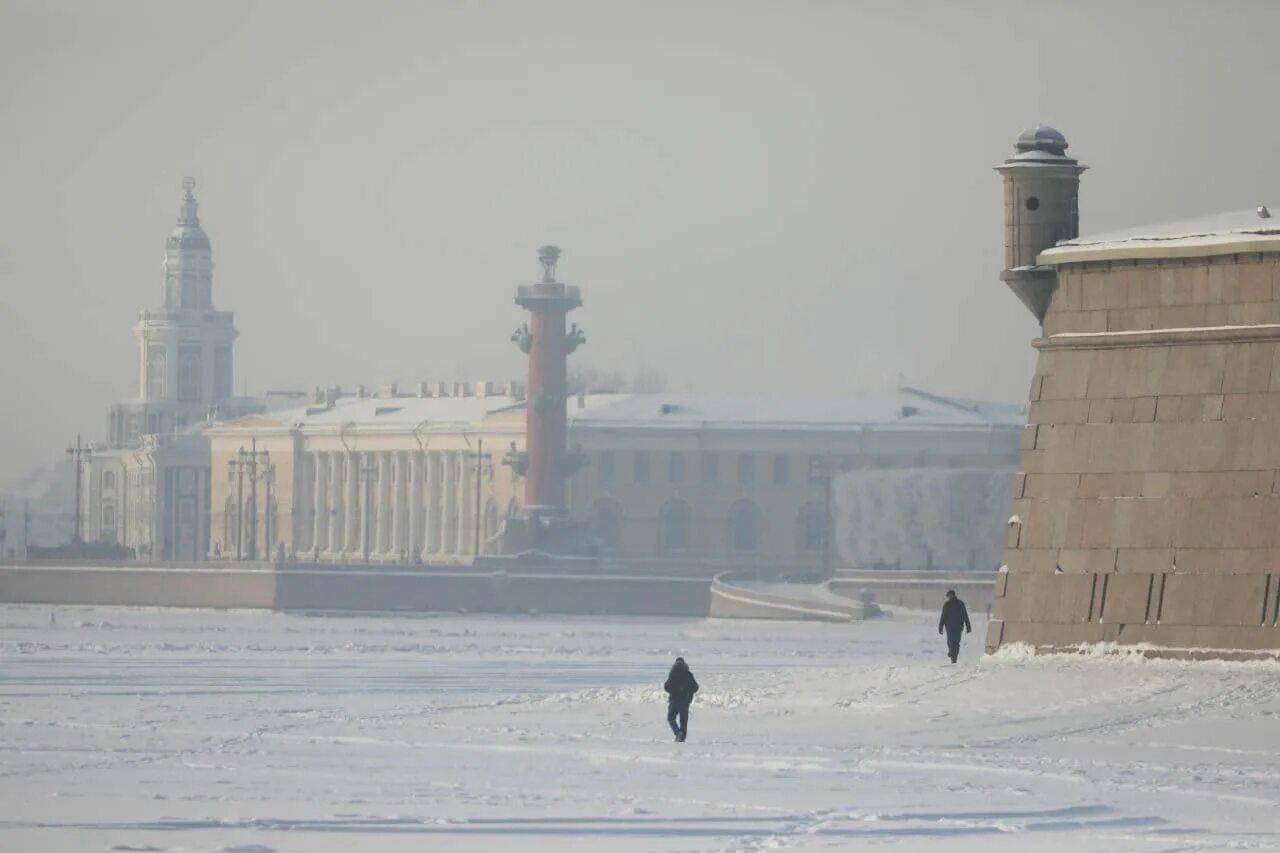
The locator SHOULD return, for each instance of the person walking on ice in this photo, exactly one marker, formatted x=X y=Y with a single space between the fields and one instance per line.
x=954 y=617
x=680 y=687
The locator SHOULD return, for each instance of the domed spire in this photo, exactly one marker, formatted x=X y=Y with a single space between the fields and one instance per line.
x=188 y=215
x=188 y=234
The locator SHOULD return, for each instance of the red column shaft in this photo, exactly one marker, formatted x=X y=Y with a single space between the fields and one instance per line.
x=546 y=431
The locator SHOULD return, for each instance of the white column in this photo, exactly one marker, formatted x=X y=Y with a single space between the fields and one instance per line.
x=465 y=487
x=351 y=544
x=414 y=545
x=367 y=495
x=381 y=499
x=431 y=530
x=448 y=503
x=317 y=502
x=337 y=519
x=398 y=495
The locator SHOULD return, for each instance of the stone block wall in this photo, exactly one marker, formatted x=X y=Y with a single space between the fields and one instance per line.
x=1149 y=481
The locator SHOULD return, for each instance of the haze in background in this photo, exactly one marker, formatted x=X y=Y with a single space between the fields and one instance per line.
x=756 y=197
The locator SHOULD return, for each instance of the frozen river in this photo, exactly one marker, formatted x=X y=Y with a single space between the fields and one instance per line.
x=131 y=730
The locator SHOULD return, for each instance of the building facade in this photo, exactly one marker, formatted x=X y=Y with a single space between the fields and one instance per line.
x=689 y=478
x=1149 y=479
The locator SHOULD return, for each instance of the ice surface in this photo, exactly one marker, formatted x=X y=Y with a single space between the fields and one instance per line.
x=201 y=731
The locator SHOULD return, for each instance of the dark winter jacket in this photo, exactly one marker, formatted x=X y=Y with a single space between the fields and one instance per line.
x=680 y=686
x=954 y=616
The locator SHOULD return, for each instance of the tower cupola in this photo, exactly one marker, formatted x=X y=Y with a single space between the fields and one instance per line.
x=1041 y=207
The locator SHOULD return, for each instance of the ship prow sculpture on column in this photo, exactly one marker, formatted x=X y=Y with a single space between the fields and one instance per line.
x=542 y=526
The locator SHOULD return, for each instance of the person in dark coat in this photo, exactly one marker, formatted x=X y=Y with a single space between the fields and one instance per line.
x=954 y=618
x=680 y=687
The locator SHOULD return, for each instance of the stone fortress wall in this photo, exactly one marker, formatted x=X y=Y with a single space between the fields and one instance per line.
x=1146 y=505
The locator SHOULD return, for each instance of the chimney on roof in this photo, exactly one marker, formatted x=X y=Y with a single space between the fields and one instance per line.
x=424 y=389
x=484 y=388
x=515 y=390
x=582 y=399
x=461 y=389
x=361 y=391
x=388 y=391
x=439 y=389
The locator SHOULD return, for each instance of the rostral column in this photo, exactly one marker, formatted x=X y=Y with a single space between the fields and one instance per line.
x=548 y=344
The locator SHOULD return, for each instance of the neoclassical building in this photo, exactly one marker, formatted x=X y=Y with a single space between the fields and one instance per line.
x=147 y=487
x=431 y=476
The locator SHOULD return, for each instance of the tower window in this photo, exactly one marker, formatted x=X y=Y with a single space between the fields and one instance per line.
x=1033 y=203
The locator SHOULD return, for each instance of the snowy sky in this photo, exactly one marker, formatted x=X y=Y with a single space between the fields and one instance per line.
x=752 y=195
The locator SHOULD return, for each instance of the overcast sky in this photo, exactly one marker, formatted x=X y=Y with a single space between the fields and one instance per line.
x=762 y=197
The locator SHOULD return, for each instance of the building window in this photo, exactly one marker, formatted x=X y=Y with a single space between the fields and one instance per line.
x=221 y=374
x=108 y=517
x=675 y=468
x=190 y=374
x=606 y=467
x=605 y=524
x=641 y=471
x=157 y=372
x=108 y=480
x=781 y=471
x=812 y=528
x=744 y=527
x=746 y=468
x=675 y=527
x=710 y=468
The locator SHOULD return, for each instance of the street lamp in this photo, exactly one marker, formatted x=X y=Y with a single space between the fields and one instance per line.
x=256 y=465
x=483 y=465
x=78 y=453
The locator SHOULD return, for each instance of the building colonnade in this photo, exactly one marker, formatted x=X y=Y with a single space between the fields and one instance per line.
x=395 y=505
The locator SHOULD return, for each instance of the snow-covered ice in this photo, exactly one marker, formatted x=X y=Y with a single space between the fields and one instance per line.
x=127 y=729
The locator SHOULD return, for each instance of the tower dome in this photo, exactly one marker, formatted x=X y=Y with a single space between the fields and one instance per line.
x=188 y=234
x=1041 y=143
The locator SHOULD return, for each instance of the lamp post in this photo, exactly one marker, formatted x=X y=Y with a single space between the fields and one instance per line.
x=254 y=464
x=822 y=470
x=483 y=465
x=78 y=453
x=268 y=480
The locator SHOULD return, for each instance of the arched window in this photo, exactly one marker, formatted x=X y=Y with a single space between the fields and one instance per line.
x=605 y=523
x=811 y=528
x=744 y=526
x=108 y=480
x=675 y=527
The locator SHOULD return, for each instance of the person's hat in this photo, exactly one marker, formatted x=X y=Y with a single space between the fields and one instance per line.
x=951 y=593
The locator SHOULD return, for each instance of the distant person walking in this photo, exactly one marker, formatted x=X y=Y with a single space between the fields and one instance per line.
x=954 y=617
x=680 y=687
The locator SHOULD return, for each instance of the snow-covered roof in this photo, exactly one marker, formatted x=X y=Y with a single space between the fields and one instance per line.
x=411 y=411
x=903 y=408
x=1235 y=231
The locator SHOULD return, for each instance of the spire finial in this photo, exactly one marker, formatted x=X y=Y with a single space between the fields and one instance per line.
x=548 y=256
x=188 y=184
